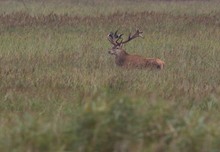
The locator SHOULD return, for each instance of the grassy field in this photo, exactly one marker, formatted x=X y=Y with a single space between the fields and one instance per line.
x=60 y=90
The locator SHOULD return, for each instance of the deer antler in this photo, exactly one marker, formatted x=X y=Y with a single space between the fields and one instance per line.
x=114 y=38
x=138 y=33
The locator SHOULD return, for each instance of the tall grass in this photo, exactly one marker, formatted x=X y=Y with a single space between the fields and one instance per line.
x=61 y=90
x=104 y=7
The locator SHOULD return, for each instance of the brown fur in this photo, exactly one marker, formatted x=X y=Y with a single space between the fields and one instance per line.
x=122 y=58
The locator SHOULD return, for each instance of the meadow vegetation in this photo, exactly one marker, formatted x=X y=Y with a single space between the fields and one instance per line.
x=60 y=90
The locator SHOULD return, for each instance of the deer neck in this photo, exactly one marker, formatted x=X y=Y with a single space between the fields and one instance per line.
x=121 y=57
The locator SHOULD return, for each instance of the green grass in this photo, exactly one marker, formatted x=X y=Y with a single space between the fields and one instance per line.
x=61 y=91
x=104 y=7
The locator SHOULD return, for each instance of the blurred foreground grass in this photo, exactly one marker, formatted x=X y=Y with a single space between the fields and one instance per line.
x=61 y=91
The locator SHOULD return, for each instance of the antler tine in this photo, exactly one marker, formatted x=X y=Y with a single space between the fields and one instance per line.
x=111 y=34
x=110 y=38
x=114 y=38
x=116 y=33
x=119 y=38
x=138 y=33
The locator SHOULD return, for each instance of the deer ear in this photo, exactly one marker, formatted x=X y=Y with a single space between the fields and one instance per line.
x=121 y=45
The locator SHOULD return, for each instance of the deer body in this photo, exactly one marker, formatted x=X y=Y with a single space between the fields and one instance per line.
x=123 y=59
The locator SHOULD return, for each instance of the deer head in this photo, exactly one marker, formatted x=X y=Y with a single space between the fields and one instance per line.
x=117 y=41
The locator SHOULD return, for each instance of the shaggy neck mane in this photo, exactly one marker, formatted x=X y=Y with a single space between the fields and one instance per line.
x=120 y=58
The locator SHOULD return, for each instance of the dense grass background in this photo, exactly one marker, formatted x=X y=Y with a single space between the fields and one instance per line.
x=61 y=91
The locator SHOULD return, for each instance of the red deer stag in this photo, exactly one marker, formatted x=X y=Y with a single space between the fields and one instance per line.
x=122 y=58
